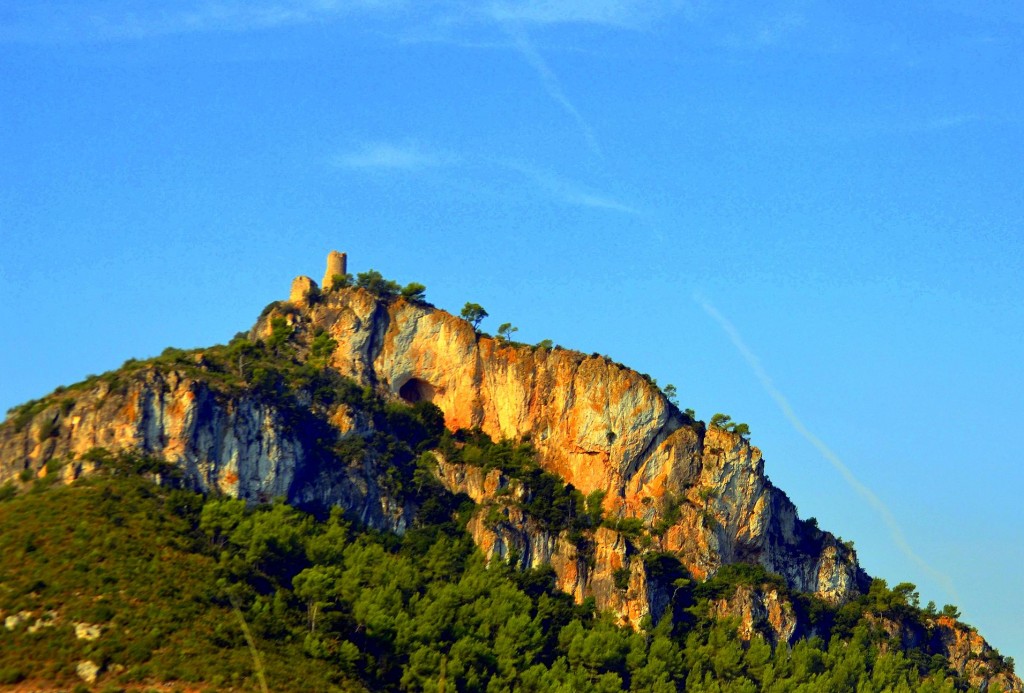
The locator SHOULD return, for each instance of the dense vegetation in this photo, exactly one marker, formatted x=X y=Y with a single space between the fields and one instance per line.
x=171 y=577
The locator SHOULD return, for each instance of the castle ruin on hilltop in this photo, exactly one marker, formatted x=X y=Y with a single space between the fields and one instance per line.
x=337 y=266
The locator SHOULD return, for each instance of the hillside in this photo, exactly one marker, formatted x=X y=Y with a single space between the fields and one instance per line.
x=407 y=421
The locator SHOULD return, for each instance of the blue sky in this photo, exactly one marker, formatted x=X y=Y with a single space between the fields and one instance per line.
x=808 y=206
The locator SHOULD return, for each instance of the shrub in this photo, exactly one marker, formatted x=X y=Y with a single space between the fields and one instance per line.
x=24 y=414
x=321 y=348
x=725 y=423
x=720 y=420
x=505 y=331
x=267 y=309
x=341 y=281
x=374 y=282
x=631 y=527
x=11 y=675
x=280 y=331
x=671 y=513
x=723 y=584
x=48 y=429
x=671 y=394
x=595 y=509
x=414 y=292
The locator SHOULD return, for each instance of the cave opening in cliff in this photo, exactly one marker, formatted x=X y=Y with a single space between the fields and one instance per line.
x=416 y=390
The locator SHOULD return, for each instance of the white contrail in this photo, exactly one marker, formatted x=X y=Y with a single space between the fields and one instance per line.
x=867 y=494
x=552 y=85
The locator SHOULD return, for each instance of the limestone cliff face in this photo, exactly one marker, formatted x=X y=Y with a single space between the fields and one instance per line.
x=584 y=568
x=760 y=611
x=236 y=444
x=598 y=425
x=699 y=495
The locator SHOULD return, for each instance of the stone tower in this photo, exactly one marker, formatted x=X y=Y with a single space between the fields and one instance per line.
x=301 y=287
x=337 y=264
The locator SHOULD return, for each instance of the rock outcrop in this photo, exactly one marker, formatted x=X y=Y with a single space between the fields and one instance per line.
x=596 y=424
x=761 y=612
x=698 y=494
x=971 y=656
x=235 y=443
x=967 y=653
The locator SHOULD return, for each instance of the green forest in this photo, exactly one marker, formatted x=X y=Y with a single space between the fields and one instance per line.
x=207 y=593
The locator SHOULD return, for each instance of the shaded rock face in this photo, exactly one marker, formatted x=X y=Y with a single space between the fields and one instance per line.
x=761 y=612
x=967 y=653
x=237 y=444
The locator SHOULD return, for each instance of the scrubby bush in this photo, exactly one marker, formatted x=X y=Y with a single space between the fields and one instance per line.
x=47 y=429
x=374 y=282
x=341 y=281
x=725 y=422
x=414 y=292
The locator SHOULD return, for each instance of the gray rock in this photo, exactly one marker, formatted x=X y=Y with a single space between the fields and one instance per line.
x=88 y=671
x=86 y=631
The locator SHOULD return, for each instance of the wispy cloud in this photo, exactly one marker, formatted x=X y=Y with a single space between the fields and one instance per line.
x=569 y=191
x=551 y=84
x=767 y=33
x=947 y=122
x=513 y=16
x=390 y=156
x=779 y=28
x=382 y=157
x=898 y=536
x=121 y=20
x=585 y=199
x=614 y=13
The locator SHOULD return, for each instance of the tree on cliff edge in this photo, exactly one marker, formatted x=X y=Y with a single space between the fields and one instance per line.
x=505 y=331
x=474 y=313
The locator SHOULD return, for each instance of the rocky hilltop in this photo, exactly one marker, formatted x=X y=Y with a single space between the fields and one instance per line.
x=666 y=483
x=597 y=425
